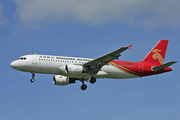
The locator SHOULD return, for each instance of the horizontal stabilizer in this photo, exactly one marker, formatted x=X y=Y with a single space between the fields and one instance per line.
x=160 y=67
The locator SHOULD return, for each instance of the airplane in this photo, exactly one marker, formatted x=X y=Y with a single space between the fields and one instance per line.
x=68 y=70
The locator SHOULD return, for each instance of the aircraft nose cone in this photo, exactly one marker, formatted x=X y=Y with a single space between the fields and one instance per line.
x=13 y=64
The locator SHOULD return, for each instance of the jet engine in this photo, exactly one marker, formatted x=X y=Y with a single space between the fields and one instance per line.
x=71 y=69
x=62 y=80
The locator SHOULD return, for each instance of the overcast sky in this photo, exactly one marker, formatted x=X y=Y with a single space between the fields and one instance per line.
x=90 y=29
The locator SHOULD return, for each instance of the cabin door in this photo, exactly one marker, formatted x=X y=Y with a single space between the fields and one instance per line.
x=141 y=67
x=34 y=59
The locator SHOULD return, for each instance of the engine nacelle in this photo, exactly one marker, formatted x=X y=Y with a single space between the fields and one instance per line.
x=62 y=80
x=71 y=69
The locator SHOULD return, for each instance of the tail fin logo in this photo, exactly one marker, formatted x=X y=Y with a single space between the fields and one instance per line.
x=158 y=56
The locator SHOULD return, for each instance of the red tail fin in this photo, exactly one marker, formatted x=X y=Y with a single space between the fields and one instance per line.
x=157 y=54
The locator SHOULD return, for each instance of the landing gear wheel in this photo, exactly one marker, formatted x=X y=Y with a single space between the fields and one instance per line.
x=93 y=80
x=32 y=80
x=83 y=87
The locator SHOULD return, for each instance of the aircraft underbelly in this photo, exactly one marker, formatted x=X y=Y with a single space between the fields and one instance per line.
x=116 y=73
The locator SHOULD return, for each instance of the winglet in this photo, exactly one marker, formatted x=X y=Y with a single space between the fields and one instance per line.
x=129 y=46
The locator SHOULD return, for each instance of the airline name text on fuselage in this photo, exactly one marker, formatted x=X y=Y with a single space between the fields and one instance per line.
x=64 y=58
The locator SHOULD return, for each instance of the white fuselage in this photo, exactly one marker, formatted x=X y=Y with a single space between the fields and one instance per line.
x=48 y=64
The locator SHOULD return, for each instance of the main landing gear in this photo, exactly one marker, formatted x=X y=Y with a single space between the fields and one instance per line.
x=84 y=86
x=32 y=79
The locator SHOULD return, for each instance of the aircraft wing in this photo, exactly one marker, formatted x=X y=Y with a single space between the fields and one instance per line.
x=95 y=65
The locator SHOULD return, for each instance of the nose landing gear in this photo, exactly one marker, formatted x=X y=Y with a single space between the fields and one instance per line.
x=32 y=79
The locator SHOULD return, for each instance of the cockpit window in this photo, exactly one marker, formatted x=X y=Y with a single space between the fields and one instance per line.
x=22 y=58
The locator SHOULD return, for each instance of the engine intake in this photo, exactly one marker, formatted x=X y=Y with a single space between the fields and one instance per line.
x=62 y=80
